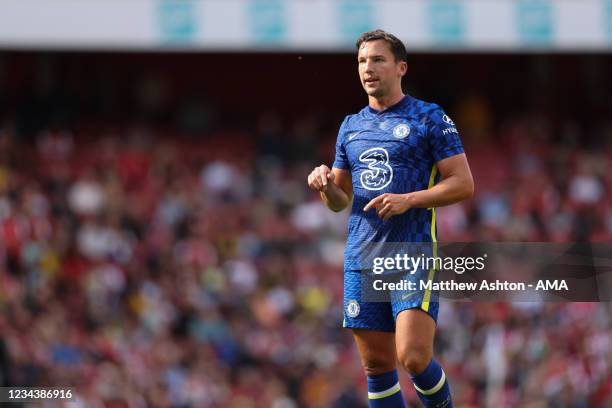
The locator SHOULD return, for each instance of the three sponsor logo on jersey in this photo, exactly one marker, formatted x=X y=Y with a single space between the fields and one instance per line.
x=379 y=173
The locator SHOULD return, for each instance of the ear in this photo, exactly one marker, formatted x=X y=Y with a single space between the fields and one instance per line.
x=403 y=68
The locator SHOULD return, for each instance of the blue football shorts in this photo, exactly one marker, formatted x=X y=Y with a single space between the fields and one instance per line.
x=381 y=316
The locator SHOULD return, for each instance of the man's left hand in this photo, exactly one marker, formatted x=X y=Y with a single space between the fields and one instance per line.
x=388 y=205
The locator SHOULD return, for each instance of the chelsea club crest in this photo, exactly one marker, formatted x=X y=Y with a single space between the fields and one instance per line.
x=352 y=308
x=401 y=131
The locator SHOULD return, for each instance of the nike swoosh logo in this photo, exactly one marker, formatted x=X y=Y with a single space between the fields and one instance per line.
x=355 y=134
x=404 y=297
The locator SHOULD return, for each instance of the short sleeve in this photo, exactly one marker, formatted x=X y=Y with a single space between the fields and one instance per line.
x=341 y=161
x=444 y=138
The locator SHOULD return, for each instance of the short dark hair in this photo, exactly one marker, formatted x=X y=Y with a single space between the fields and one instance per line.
x=397 y=47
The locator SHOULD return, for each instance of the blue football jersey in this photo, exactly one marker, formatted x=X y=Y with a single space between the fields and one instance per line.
x=393 y=151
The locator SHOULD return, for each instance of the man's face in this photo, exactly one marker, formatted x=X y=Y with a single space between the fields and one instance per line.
x=378 y=71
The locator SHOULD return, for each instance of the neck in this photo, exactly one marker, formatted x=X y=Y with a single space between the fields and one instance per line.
x=383 y=102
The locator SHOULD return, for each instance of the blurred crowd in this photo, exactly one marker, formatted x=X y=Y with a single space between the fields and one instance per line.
x=148 y=271
x=144 y=268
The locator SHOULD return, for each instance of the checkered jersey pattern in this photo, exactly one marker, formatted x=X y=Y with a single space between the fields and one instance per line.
x=393 y=151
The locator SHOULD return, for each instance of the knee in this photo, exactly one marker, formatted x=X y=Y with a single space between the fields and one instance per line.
x=415 y=359
x=376 y=366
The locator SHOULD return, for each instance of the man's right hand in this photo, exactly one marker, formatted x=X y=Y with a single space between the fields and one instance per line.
x=320 y=177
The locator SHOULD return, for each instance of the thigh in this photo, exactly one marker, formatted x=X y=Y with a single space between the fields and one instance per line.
x=414 y=334
x=376 y=350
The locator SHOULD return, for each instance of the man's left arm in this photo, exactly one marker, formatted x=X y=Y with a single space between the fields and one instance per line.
x=456 y=184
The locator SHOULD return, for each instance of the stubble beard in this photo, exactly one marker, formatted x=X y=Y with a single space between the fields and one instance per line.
x=376 y=93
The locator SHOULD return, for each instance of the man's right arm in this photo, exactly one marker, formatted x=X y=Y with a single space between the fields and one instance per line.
x=335 y=186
